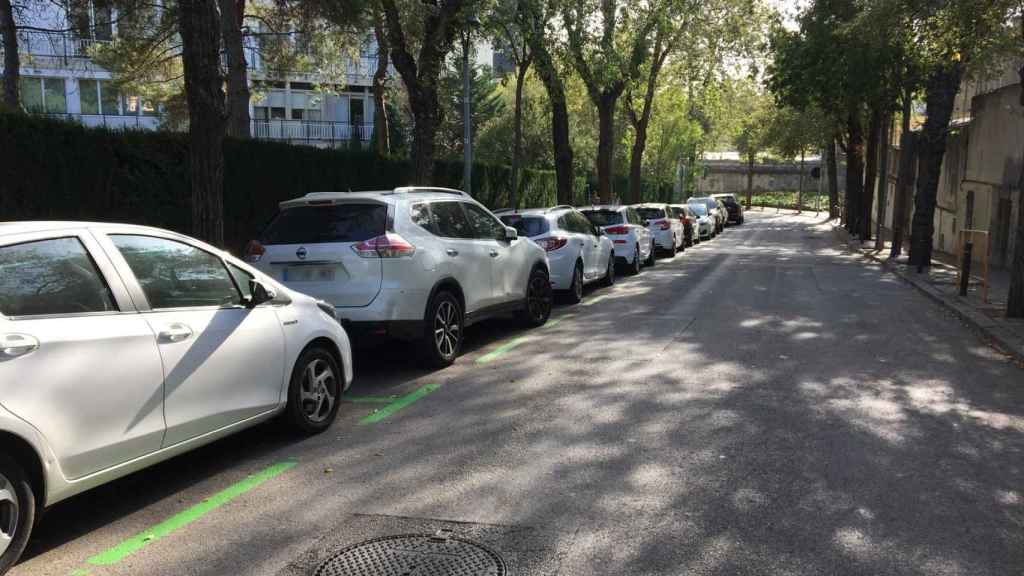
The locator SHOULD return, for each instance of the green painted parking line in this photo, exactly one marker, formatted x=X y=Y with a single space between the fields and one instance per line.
x=80 y=572
x=504 y=348
x=396 y=405
x=593 y=301
x=182 y=519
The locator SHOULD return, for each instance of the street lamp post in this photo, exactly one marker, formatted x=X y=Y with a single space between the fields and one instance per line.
x=467 y=132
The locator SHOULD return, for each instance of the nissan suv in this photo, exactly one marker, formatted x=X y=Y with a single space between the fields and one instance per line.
x=415 y=263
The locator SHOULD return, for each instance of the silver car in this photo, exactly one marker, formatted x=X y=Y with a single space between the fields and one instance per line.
x=121 y=346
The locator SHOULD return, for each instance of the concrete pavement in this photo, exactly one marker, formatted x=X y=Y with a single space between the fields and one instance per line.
x=766 y=403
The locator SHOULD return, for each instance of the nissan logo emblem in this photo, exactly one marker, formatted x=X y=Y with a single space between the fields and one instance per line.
x=301 y=253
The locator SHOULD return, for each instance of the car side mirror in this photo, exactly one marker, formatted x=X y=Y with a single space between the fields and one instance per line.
x=511 y=233
x=259 y=293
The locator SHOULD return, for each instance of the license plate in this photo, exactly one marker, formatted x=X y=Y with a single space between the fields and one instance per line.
x=307 y=274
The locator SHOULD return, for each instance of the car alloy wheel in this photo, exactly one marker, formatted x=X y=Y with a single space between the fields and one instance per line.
x=9 y=514
x=17 y=512
x=609 y=274
x=576 y=288
x=316 y=391
x=634 y=268
x=538 y=298
x=447 y=330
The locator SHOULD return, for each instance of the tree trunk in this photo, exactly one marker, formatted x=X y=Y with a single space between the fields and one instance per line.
x=1015 y=299
x=605 y=145
x=199 y=27
x=425 y=105
x=904 y=177
x=940 y=94
x=750 y=178
x=381 y=129
x=12 y=61
x=883 y=182
x=800 y=190
x=854 y=171
x=870 y=173
x=517 y=132
x=833 y=178
x=636 y=159
x=559 y=118
x=231 y=12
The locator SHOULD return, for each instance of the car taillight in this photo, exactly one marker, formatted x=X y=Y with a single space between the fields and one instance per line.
x=553 y=243
x=617 y=230
x=385 y=246
x=663 y=224
x=254 y=251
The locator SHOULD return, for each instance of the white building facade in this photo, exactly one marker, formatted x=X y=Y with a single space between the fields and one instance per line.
x=59 y=79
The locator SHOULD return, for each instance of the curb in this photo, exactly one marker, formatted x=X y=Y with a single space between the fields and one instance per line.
x=1003 y=339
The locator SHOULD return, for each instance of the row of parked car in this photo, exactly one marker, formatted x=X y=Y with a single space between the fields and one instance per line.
x=122 y=345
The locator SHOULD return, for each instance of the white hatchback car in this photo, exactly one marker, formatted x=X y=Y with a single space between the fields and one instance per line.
x=630 y=237
x=578 y=252
x=665 y=228
x=416 y=264
x=121 y=346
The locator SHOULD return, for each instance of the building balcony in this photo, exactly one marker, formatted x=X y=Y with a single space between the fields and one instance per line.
x=63 y=46
x=313 y=132
x=112 y=122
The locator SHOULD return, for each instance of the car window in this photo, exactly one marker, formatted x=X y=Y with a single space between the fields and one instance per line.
x=651 y=213
x=451 y=221
x=633 y=217
x=420 y=215
x=563 y=223
x=604 y=217
x=55 y=276
x=177 y=275
x=484 y=224
x=698 y=209
x=527 y=226
x=583 y=224
x=241 y=278
x=330 y=223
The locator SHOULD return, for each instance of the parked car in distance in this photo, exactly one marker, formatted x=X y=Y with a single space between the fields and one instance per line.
x=684 y=215
x=733 y=207
x=121 y=346
x=629 y=235
x=578 y=252
x=714 y=208
x=416 y=264
x=665 y=228
x=706 y=223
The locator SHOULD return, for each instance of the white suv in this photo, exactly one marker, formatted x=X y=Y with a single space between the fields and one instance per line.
x=411 y=263
x=578 y=251
x=121 y=346
x=666 y=229
x=630 y=237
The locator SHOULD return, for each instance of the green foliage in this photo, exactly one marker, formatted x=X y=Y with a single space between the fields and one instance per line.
x=486 y=104
x=142 y=177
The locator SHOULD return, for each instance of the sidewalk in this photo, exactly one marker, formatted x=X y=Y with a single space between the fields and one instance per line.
x=939 y=282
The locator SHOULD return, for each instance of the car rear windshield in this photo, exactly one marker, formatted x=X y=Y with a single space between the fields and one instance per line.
x=321 y=224
x=526 y=225
x=603 y=217
x=651 y=213
x=700 y=209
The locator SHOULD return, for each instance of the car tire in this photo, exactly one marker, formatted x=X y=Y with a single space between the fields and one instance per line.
x=443 y=330
x=673 y=250
x=537 y=307
x=17 y=511
x=634 y=266
x=575 y=293
x=609 y=274
x=653 y=255
x=316 y=379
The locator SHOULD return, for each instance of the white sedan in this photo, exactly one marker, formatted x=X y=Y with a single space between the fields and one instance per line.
x=121 y=346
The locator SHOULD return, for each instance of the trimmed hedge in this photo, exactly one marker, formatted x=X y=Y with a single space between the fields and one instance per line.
x=57 y=170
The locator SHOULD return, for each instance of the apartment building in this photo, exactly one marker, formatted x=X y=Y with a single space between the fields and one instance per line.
x=59 y=79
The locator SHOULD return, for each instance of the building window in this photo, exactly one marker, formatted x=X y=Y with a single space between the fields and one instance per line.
x=260 y=113
x=89 y=96
x=297 y=113
x=108 y=99
x=277 y=113
x=43 y=95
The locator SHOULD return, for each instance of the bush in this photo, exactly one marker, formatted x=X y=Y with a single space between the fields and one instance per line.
x=54 y=169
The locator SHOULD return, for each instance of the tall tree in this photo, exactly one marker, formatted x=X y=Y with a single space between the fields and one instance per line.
x=508 y=23
x=663 y=46
x=535 y=15
x=381 y=128
x=435 y=26
x=231 y=14
x=199 y=28
x=607 y=44
x=1015 y=298
x=12 y=60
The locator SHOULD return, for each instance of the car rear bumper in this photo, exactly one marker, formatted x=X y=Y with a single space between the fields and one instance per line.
x=663 y=238
x=623 y=248
x=390 y=305
x=398 y=329
x=560 y=267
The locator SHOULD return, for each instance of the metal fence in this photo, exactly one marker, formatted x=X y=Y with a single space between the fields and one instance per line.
x=311 y=131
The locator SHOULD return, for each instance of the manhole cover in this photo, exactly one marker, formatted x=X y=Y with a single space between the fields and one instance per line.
x=440 y=554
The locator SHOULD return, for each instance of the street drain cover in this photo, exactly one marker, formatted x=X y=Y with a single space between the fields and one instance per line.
x=440 y=554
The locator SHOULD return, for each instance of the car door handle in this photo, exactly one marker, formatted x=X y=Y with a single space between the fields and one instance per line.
x=175 y=333
x=494 y=253
x=451 y=252
x=14 y=345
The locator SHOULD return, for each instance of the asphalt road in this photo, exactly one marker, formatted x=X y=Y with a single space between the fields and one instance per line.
x=766 y=403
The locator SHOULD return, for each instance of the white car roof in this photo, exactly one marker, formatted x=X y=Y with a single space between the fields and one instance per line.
x=385 y=196
x=613 y=207
x=27 y=226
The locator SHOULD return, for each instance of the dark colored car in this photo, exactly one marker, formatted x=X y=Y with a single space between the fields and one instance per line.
x=688 y=219
x=732 y=206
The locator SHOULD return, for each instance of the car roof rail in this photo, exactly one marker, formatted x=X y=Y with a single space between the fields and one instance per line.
x=560 y=207
x=428 y=190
